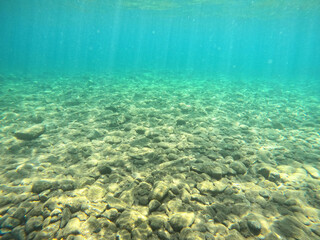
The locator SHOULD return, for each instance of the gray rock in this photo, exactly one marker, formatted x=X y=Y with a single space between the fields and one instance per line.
x=206 y=187
x=4 y=200
x=254 y=226
x=142 y=192
x=94 y=134
x=181 y=220
x=153 y=205
x=163 y=234
x=190 y=234
x=66 y=214
x=140 y=131
x=18 y=233
x=181 y=122
x=142 y=231
x=10 y=223
x=264 y=171
x=315 y=228
x=315 y=173
x=34 y=223
x=30 y=133
x=67 y=185
x=77 y=204
x=104 y=168
x=112 y=214
x=130 y=219
x=20 y=213
x=160 y=191
x=92 y=224
x=157 y=221
x=116 y=203
x=238 y=167
x=290 y=227
x=73 y=227
x=41 y=185
x=234 y=235
x=48 y=232
x=123 y=234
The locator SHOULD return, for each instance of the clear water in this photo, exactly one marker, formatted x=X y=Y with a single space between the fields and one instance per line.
x=206 y=107
x=251 y=38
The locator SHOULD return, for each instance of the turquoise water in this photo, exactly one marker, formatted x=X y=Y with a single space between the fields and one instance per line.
x=254 y=38
x=160 y=120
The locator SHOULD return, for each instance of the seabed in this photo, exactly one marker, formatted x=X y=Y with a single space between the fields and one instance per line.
x=158 y=156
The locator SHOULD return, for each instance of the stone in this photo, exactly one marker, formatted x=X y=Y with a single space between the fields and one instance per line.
x=92 y=225
x=130 y=219
x=206 y=187
x=153 y=205
x=190 y=234
x=72 y=227
x=290 y=227
x=116 y=203
x=123 y=234
x=142 y=231
x=163 y=234
x=34 y=223
x=104 y=168
x=254 y=226
x=157 y=221
x=238 y=167
x=48 y=232
x=234 y=235
x=66 y=215
x=94 y=134
x=140 y=131
x=181 y=220
x=41 y=185
x=18 y=233
x=315 y=228
x=214 y=172
x=20 y=213
x=77 y=204
x=112 y=214
x=31 y=133
x=264 y=171
x=67 y=185
x=160 y=191
x=4 y=200
x=315 y=173
x=10 y=223
x=181 y=122
x=142 y=192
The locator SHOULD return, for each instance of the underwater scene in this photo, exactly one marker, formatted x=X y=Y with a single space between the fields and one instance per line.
x=160 y=119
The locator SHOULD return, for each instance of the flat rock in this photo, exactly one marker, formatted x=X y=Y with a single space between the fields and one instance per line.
x=160 y=191
x=315 y=173
x=31 y=133
x=73 y=227
x=238 y=167
x=41 y=185
x=181 y=220
x=130 y=219
x=34 y=223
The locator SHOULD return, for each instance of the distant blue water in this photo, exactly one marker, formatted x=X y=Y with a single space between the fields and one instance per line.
x=263 y=38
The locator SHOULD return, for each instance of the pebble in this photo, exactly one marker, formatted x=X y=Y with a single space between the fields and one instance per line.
x=72 y=227
x=34 y=223
x=181 y=220
x=160 y=191
x=41 y=185
x=238 y=167
x=31 y=133
x=315 y=173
